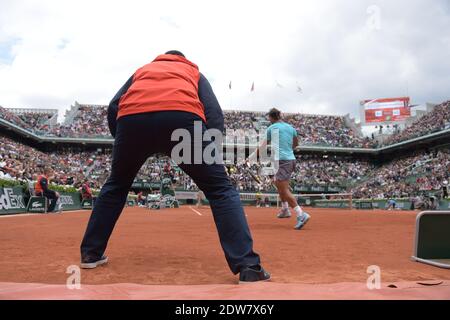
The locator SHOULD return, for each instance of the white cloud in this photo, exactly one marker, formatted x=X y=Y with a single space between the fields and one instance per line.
x=85 y=50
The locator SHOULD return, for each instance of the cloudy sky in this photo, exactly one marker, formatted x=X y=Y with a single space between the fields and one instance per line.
x=337 y=51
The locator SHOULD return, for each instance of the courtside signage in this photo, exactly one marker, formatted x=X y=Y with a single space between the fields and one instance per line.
x=11 y=200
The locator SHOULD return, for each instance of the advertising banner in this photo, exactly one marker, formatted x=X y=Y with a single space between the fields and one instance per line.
x=70 y=201
x=388 y=110
x=11 y=200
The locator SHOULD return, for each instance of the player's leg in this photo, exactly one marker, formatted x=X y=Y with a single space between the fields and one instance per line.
x=285 y=212
x=234 y=233
x=229 y=216
x=280 y=194
x=128 y=157
x=283 y=176
x=302 y=216
x=284 y=189
x=285 y=169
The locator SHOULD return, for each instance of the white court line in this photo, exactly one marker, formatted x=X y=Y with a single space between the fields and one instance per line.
x=202 y=214
x=40 y=214
x=73 y=211
x=19 y=215
x=195 y=211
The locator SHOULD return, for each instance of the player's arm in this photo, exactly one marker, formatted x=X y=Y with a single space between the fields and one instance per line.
x=295 y=141
x=262 y=146
x=213 y=111
x=113 y=107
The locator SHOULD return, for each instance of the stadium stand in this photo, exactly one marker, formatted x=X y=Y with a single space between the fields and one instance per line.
x=326 y=130
x=404 y=177
x=434 y=121
x=409 y=175
x=23 y=163
x=89 y=121
x=85 y=121
x=319 y=170
x=13 y=118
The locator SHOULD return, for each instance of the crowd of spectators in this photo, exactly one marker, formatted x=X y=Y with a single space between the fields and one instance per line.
x=243 y=181
x=402 y=177
x=91 y=121
x=434 y=121
x=327 y=131
x=334 y=171
x=37 y=121
x=406 y=177
x=31 y=121
x=239 y=120
x=9 y=116
x=312 y=129
x=70 y=168
x=310 y=170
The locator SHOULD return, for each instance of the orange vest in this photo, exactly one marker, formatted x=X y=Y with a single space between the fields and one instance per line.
x=38 y=187
x=169 y=83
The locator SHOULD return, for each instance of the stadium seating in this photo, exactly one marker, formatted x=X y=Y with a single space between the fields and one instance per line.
x=91 y=121
x=322 y=130
x=7 y=115
x=436 y=120
x=407 y=177
x=410 y=176
x=36 y=120
x=326 y=131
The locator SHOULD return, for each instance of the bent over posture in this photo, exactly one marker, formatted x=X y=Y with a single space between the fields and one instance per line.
x=165 y=95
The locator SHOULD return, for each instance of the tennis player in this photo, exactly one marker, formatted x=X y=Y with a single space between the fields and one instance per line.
x=283 y=139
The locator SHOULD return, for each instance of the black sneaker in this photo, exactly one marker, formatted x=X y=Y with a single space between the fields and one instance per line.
x=91 y=263
x=253 y=274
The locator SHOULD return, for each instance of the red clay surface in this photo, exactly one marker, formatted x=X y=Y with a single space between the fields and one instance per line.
x=181 y=247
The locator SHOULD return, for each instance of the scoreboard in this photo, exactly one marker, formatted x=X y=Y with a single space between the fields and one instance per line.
x=385 y=111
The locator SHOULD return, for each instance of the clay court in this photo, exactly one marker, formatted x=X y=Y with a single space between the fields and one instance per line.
x=175 y=254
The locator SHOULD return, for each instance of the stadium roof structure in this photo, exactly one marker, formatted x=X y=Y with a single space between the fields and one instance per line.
x=32 y=110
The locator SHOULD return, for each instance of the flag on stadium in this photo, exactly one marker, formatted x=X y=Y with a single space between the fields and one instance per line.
x=279 y=85
x=229 y=86
x=253 y=87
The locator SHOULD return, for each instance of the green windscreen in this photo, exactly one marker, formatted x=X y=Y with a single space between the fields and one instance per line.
x=434 y=236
